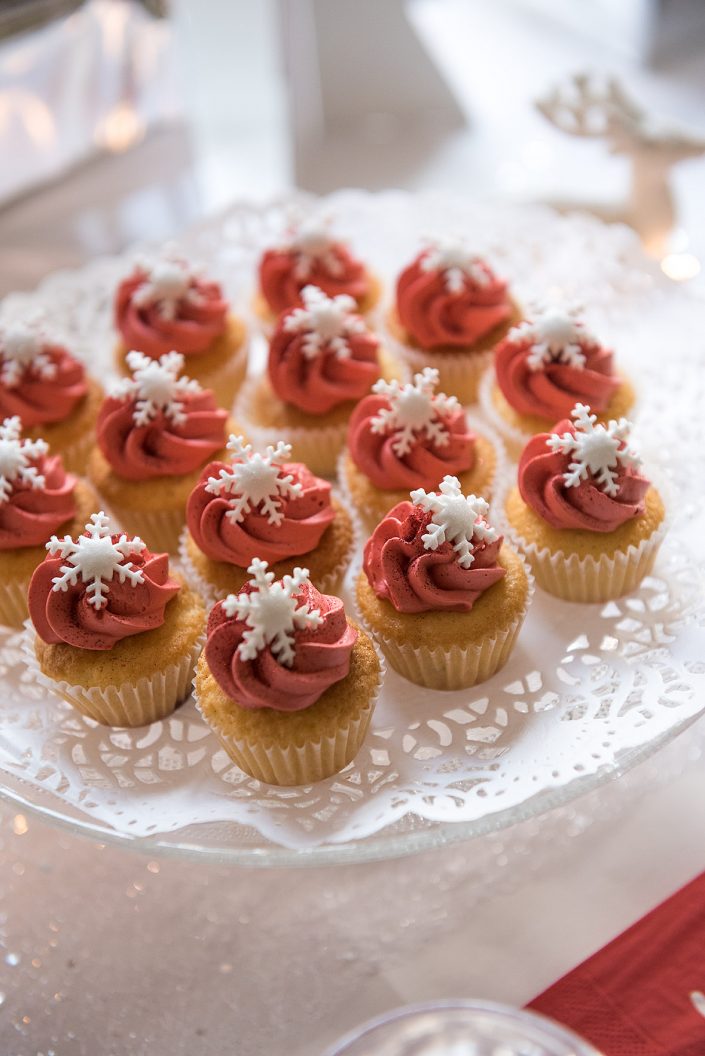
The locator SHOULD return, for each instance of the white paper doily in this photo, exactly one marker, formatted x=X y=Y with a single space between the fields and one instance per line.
x=589 y=690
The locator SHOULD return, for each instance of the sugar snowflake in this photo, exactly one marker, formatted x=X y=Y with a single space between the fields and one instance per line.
x=556 y=335
x=22 y=347
x=96 y=559
x=457 y=262
x=16 y=457
x=272 y=613
x=255 y=481
x=166 y=284
x=597 y=449
x=312 y=244
x=155 y=386
x=414 y=409
x=458 y=519
x=326 y=323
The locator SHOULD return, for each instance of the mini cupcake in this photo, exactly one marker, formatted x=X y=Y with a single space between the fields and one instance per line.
x=48 y=390
x=167 y=306
x=262 y=505
x=589 y=523
x=310 y=256
x=285 y=681
x=440 y=591
x=116 y=635
x=451 y=310
x=322 y=360
x=542 y=368
x=37 y=498
x=410 y=436
x=155 y=433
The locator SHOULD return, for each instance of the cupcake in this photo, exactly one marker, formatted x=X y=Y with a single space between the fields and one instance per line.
x=48 y=390
x=310 y=256
x=588 y=521
x=155 y=433
x=451 y=310
x=262 y=505
x=285 y=681
x=116 y=635
x=322 y=360
x=168 y=306
x=441 y=592
x=542 y=368
x=410 y=436
x=37 y=498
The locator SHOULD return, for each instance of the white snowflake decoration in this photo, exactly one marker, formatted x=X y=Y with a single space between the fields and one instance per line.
x=167 y=284
x=313 y=244
x=597 y=449
x=255 y=481
x=325 y=322
x=16 y=457
x=415 y=409
x=155 y=386
x=22 y=347
x=458 y=519
x=556 y=335
x=96 y=559
x=272 y=613
x=457 y=262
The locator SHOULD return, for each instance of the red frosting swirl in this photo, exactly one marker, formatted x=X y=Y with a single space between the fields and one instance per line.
x=47 y=393
x=435 y=315
x=197 y=322
x=163 y=447
x=415 y=579
x=305 y=518
x=68 y=616
x=30 y=515
x=555 y=388
x=586 y=506
x=321 y=657
x=423 y=465
x=282 y=276
x=316 y=384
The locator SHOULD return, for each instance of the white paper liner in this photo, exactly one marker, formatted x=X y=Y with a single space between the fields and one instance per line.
x=130 y=704
x=75 y=455
x=585 y=579
x=514 y=439
x=456 y=667
x=13 y=603
x=459 y=372
x=160 y=529
x=301 y=764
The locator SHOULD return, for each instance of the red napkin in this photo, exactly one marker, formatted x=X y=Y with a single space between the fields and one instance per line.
x=639 y=995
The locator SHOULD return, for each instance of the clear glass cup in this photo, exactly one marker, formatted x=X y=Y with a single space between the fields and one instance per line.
x=461 y=1028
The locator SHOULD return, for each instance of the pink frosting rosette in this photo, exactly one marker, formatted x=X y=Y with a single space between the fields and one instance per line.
x=280 y=662
x=408 y=436
x=36 y=493
x=258 y=505
x=322 y=355
x=40 y=381
x=167 y=306
x=583 y=474
x=435 y=553
x=448 y=296
x=551 y=362
x=159 y=424
x=98 y=589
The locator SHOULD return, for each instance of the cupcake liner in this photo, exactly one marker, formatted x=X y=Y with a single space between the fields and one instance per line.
x=193 y=577
x=75 y=455
x=300 y=764
x=13 y=603
x=129 y=704
x=160 y=529
x=514 y=439
x=459 y=373
x=456 y=667
x=586 y=579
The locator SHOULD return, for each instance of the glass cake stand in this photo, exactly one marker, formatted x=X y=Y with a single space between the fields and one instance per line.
x=589 y=691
